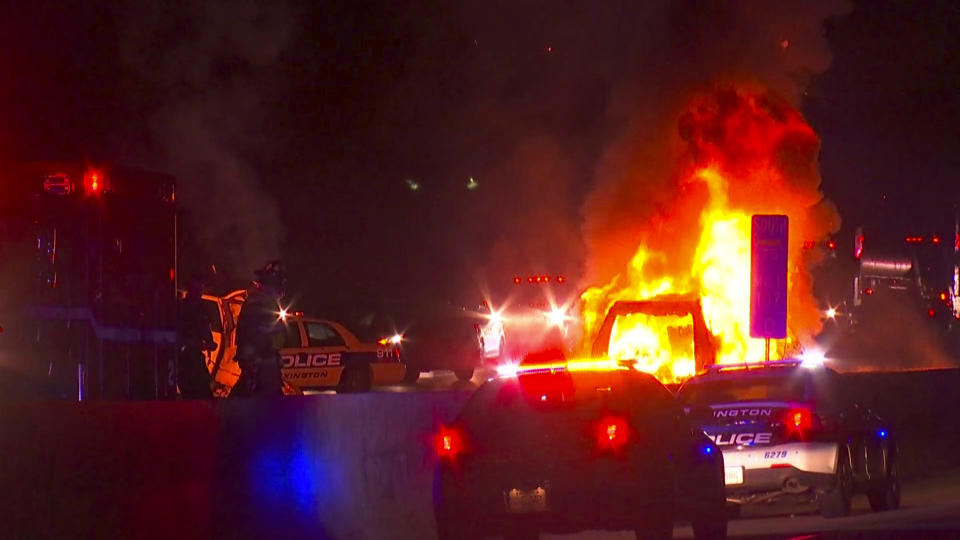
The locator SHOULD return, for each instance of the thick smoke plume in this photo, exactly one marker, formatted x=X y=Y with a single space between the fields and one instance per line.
x=212 y=66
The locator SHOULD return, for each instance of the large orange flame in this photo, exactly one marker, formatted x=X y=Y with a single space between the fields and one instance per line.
x=743 y=153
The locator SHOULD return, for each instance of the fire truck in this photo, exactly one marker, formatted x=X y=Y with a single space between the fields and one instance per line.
x=88 y=294
x=920 y=269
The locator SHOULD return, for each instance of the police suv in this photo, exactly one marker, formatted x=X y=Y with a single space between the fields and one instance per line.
x=565 y=446
x=788 y=431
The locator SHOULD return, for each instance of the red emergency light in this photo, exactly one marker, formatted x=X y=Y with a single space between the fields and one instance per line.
x=612 y=433
x=93 y=182
x=449 y=443
x=831 y=245
x=935 y=240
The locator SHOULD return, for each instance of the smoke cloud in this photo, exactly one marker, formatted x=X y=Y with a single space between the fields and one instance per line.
x=212 y=68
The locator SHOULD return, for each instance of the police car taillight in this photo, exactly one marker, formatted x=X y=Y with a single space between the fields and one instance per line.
x=801 y=423
x=612 y=433
x=449 y=443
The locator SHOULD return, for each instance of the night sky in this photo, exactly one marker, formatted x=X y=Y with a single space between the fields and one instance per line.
x=342 y=137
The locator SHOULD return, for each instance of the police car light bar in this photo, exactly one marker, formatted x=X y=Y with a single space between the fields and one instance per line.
x=513 y=370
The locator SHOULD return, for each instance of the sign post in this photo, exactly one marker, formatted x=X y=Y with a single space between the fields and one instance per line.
x=768 y=278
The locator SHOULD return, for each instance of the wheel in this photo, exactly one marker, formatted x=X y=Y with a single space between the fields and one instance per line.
x=836 y=502
x=710 y=528
x=658 y=527
x=463 y=374
x=448 y=531
x=412 y=375
x=887 y=498
x=354 y=379
x=711 y=524
x=521 y=533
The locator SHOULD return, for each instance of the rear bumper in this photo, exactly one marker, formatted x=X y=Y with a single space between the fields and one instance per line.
x=787 y=468
x=574 y=502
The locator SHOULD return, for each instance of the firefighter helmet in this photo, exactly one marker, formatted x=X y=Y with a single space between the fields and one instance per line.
x=273 y=273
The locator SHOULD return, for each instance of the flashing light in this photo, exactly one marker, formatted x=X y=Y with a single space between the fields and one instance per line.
x=496 y=317
x=858 y=248
x=831 y=313
x=93 y=182
x=798 y=420
x=913 y=239
x=561 y=279
x=882 y=434
x=935 y=240
x=517 y=280
x=530 y=279
x=812 y=359
x=943 y=296
x=931 y=312
x=868 y=291
x=612 y=433
x=283 y=314
x=448 y=443
x=557 y=316
x=708 y=450
x=570 y=366
x=831 y=245
x=508 y=370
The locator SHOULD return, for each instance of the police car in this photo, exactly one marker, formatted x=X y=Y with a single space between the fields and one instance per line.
x=316 y=354
x=562 y=447
x=789 y=432
x=322 y=354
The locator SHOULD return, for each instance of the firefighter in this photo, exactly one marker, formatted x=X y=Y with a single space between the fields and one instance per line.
x=260 y=335
x=195 y=339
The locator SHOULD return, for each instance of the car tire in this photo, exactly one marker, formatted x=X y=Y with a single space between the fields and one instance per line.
x=411 y=376
x=887 y=498
x=447 y=531
x=659 y=527
x=521 y=533
x=354 y=379
x=711 y=524
x=835 y=503
x=464 y=374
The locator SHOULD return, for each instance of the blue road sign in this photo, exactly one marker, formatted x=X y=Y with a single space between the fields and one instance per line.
x=768 y=276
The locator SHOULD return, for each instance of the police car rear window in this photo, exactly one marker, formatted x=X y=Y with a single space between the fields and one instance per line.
x=787 y=387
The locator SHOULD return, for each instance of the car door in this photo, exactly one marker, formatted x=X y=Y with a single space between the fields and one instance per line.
x=318 y=361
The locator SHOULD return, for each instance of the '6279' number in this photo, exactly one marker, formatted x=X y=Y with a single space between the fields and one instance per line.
x=778 y=454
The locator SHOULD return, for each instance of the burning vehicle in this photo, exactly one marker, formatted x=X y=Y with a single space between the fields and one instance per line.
x=739 y=152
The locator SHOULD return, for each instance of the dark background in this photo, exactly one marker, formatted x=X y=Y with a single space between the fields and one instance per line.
x=294 y=128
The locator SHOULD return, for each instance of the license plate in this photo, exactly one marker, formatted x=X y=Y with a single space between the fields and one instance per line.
x=733 y=475
x=522 y=501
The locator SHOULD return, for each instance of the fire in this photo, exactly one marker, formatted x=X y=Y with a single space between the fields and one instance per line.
x=741 y=153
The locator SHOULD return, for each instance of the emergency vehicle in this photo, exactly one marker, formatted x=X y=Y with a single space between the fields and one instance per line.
x=536 y=314
x=88 y=280
x=317 y=354
x=564 y=446
x=789 y=432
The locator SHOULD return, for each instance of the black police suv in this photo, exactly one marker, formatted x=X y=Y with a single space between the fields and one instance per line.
x=570 y=446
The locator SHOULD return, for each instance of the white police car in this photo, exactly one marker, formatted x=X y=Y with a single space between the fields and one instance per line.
x=788 y=430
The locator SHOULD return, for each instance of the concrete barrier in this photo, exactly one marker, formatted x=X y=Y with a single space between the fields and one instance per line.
x=330 y=466
x=354 y=466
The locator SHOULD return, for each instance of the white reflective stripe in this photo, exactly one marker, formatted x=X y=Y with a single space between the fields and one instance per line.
x=813 y=457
